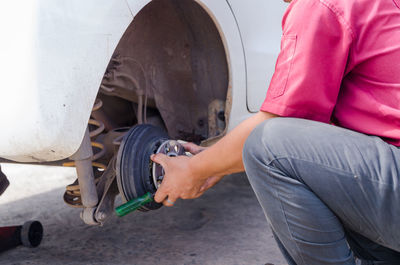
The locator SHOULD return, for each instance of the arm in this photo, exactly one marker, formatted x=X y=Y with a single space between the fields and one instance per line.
x=225 y=157
x=188 y=178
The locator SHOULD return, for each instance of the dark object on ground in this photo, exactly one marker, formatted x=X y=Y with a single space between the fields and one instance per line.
x=29 y=234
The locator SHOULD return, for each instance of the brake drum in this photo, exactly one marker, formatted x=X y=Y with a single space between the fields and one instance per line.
x=136 y=173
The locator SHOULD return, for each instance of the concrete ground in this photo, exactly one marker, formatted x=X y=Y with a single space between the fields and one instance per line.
x=225 y=226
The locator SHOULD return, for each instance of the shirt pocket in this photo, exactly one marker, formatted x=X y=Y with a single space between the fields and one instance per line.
x=283 y=66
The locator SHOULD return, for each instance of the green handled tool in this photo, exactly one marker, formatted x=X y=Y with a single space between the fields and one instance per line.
x=133 y=205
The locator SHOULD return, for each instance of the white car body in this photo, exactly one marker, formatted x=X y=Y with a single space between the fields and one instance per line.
x=54 y=54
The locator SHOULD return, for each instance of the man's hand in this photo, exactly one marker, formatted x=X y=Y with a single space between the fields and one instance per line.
x=185 y=184
x=179 y=181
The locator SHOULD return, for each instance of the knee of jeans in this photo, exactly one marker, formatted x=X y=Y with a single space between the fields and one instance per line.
x=265 y=141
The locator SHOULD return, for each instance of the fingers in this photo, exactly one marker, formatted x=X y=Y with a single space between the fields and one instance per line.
x=190 y=147
x=170 y=201
x=160 y=159
x=193 y=148
x=163 y=197
x=160 y=195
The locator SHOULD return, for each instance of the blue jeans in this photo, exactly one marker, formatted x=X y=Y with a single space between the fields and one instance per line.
x=329 y=194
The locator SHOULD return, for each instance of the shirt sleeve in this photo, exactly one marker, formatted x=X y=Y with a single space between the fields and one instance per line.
x=312 y=62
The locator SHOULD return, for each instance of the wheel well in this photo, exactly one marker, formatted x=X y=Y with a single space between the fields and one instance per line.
x=172 y=60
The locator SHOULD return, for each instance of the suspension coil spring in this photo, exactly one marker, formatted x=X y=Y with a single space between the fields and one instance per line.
x=72 y=195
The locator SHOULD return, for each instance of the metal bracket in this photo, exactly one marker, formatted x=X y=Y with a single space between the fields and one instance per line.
x=107 y=187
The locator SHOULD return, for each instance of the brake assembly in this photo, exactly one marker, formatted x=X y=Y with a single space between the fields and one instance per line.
x=138 y=177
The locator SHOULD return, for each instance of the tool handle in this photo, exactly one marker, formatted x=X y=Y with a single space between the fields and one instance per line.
x=133 y=205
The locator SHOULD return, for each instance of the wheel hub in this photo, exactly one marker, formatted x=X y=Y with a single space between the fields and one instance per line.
x=170 y=148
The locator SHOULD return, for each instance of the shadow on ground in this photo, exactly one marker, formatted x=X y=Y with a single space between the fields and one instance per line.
x=225 y=226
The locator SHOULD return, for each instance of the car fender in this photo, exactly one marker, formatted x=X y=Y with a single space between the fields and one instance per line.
x=54 y=57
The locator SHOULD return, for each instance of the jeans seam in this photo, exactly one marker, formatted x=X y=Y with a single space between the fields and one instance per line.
x=286 y=221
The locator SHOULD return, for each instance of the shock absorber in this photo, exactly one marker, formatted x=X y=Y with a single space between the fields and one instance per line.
x=72 y=195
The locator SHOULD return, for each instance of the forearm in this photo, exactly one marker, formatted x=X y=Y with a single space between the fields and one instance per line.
x=225 y=157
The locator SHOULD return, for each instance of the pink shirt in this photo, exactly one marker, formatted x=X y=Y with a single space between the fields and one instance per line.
x=340 y=63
